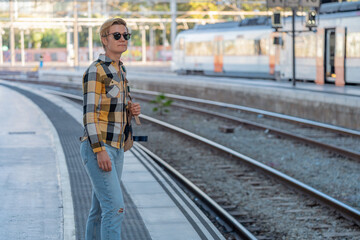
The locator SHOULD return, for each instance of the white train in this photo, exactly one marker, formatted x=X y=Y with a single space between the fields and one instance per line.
x=251 y=48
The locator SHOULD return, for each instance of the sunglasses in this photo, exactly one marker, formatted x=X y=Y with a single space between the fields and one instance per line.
x=117 y=35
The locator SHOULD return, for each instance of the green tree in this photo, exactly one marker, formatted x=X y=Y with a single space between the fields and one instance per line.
x=36 y=39
x=56 y=38
x=53 y=38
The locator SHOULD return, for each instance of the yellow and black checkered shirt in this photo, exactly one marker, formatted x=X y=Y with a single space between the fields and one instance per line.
x=104 y=106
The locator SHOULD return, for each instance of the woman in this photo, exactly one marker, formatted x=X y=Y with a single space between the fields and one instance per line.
x=105 y=90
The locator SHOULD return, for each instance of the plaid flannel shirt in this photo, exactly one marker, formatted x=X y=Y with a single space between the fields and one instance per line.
x=104 y=106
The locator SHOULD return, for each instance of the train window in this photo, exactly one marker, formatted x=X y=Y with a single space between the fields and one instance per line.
x=199 y=48
x=264 y=45
x=181 y=43
x=353 y=45
x=278 y=41
x=229 y=47
x=190 y=49
x=207 y=48
x=245 y=47
x=240 y=47
x=305 y=46
x=257 y=47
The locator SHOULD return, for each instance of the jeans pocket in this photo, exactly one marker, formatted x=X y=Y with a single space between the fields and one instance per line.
x=84 y=148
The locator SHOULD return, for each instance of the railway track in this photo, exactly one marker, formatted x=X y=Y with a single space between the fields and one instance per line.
x=313 y=124
x=233 y=107
x=217 y=213
x=299 y=134
x=344 y=209
x=270 y=190
x=230 y=226
x=255 y=123
x=295 y=120
x=336 y=140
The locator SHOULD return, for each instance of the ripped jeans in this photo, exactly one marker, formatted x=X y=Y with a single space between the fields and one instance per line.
x=107 y=207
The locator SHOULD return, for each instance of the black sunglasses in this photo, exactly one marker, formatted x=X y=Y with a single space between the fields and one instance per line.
x=117 y=35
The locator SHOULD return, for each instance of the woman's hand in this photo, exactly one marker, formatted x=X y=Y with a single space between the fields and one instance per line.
x=135 y=108
x=104 y=161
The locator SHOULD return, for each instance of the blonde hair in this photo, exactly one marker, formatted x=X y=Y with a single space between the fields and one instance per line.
x=104 y=29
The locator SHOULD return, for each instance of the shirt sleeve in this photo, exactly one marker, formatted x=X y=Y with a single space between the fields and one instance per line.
x=92 y=91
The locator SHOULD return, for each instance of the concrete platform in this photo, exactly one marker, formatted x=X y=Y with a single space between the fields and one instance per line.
x=37 y=197
x=31 y=197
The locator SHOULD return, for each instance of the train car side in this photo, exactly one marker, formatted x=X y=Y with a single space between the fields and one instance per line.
x=330 y=53
x=231 y=52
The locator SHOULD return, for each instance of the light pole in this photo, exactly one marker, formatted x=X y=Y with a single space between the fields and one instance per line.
x=76 y=39
x=173 y=22
x=293 y=46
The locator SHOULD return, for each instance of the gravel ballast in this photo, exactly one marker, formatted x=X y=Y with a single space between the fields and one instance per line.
x=272 y=210
x=332 y=174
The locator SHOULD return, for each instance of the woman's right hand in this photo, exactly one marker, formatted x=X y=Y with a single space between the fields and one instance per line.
x=104 y=161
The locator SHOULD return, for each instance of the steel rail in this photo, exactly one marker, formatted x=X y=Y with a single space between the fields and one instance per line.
x=342 y=151
x=345 y=210
x=230 y=220
x=296 y=120
x=221 y=212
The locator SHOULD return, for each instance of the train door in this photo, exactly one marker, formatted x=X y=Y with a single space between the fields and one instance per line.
x=218 y=54
x=330 y=38
x=320 y=70
x=339 y=61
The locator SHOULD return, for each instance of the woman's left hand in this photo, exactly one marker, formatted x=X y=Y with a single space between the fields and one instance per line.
x=135 y=108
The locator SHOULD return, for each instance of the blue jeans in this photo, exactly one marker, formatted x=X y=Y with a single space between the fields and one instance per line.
x=107 y=207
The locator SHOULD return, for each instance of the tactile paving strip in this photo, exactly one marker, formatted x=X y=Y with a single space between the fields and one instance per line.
x=69 y=131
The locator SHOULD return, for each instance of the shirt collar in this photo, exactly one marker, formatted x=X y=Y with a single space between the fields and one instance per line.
x=107 y=60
